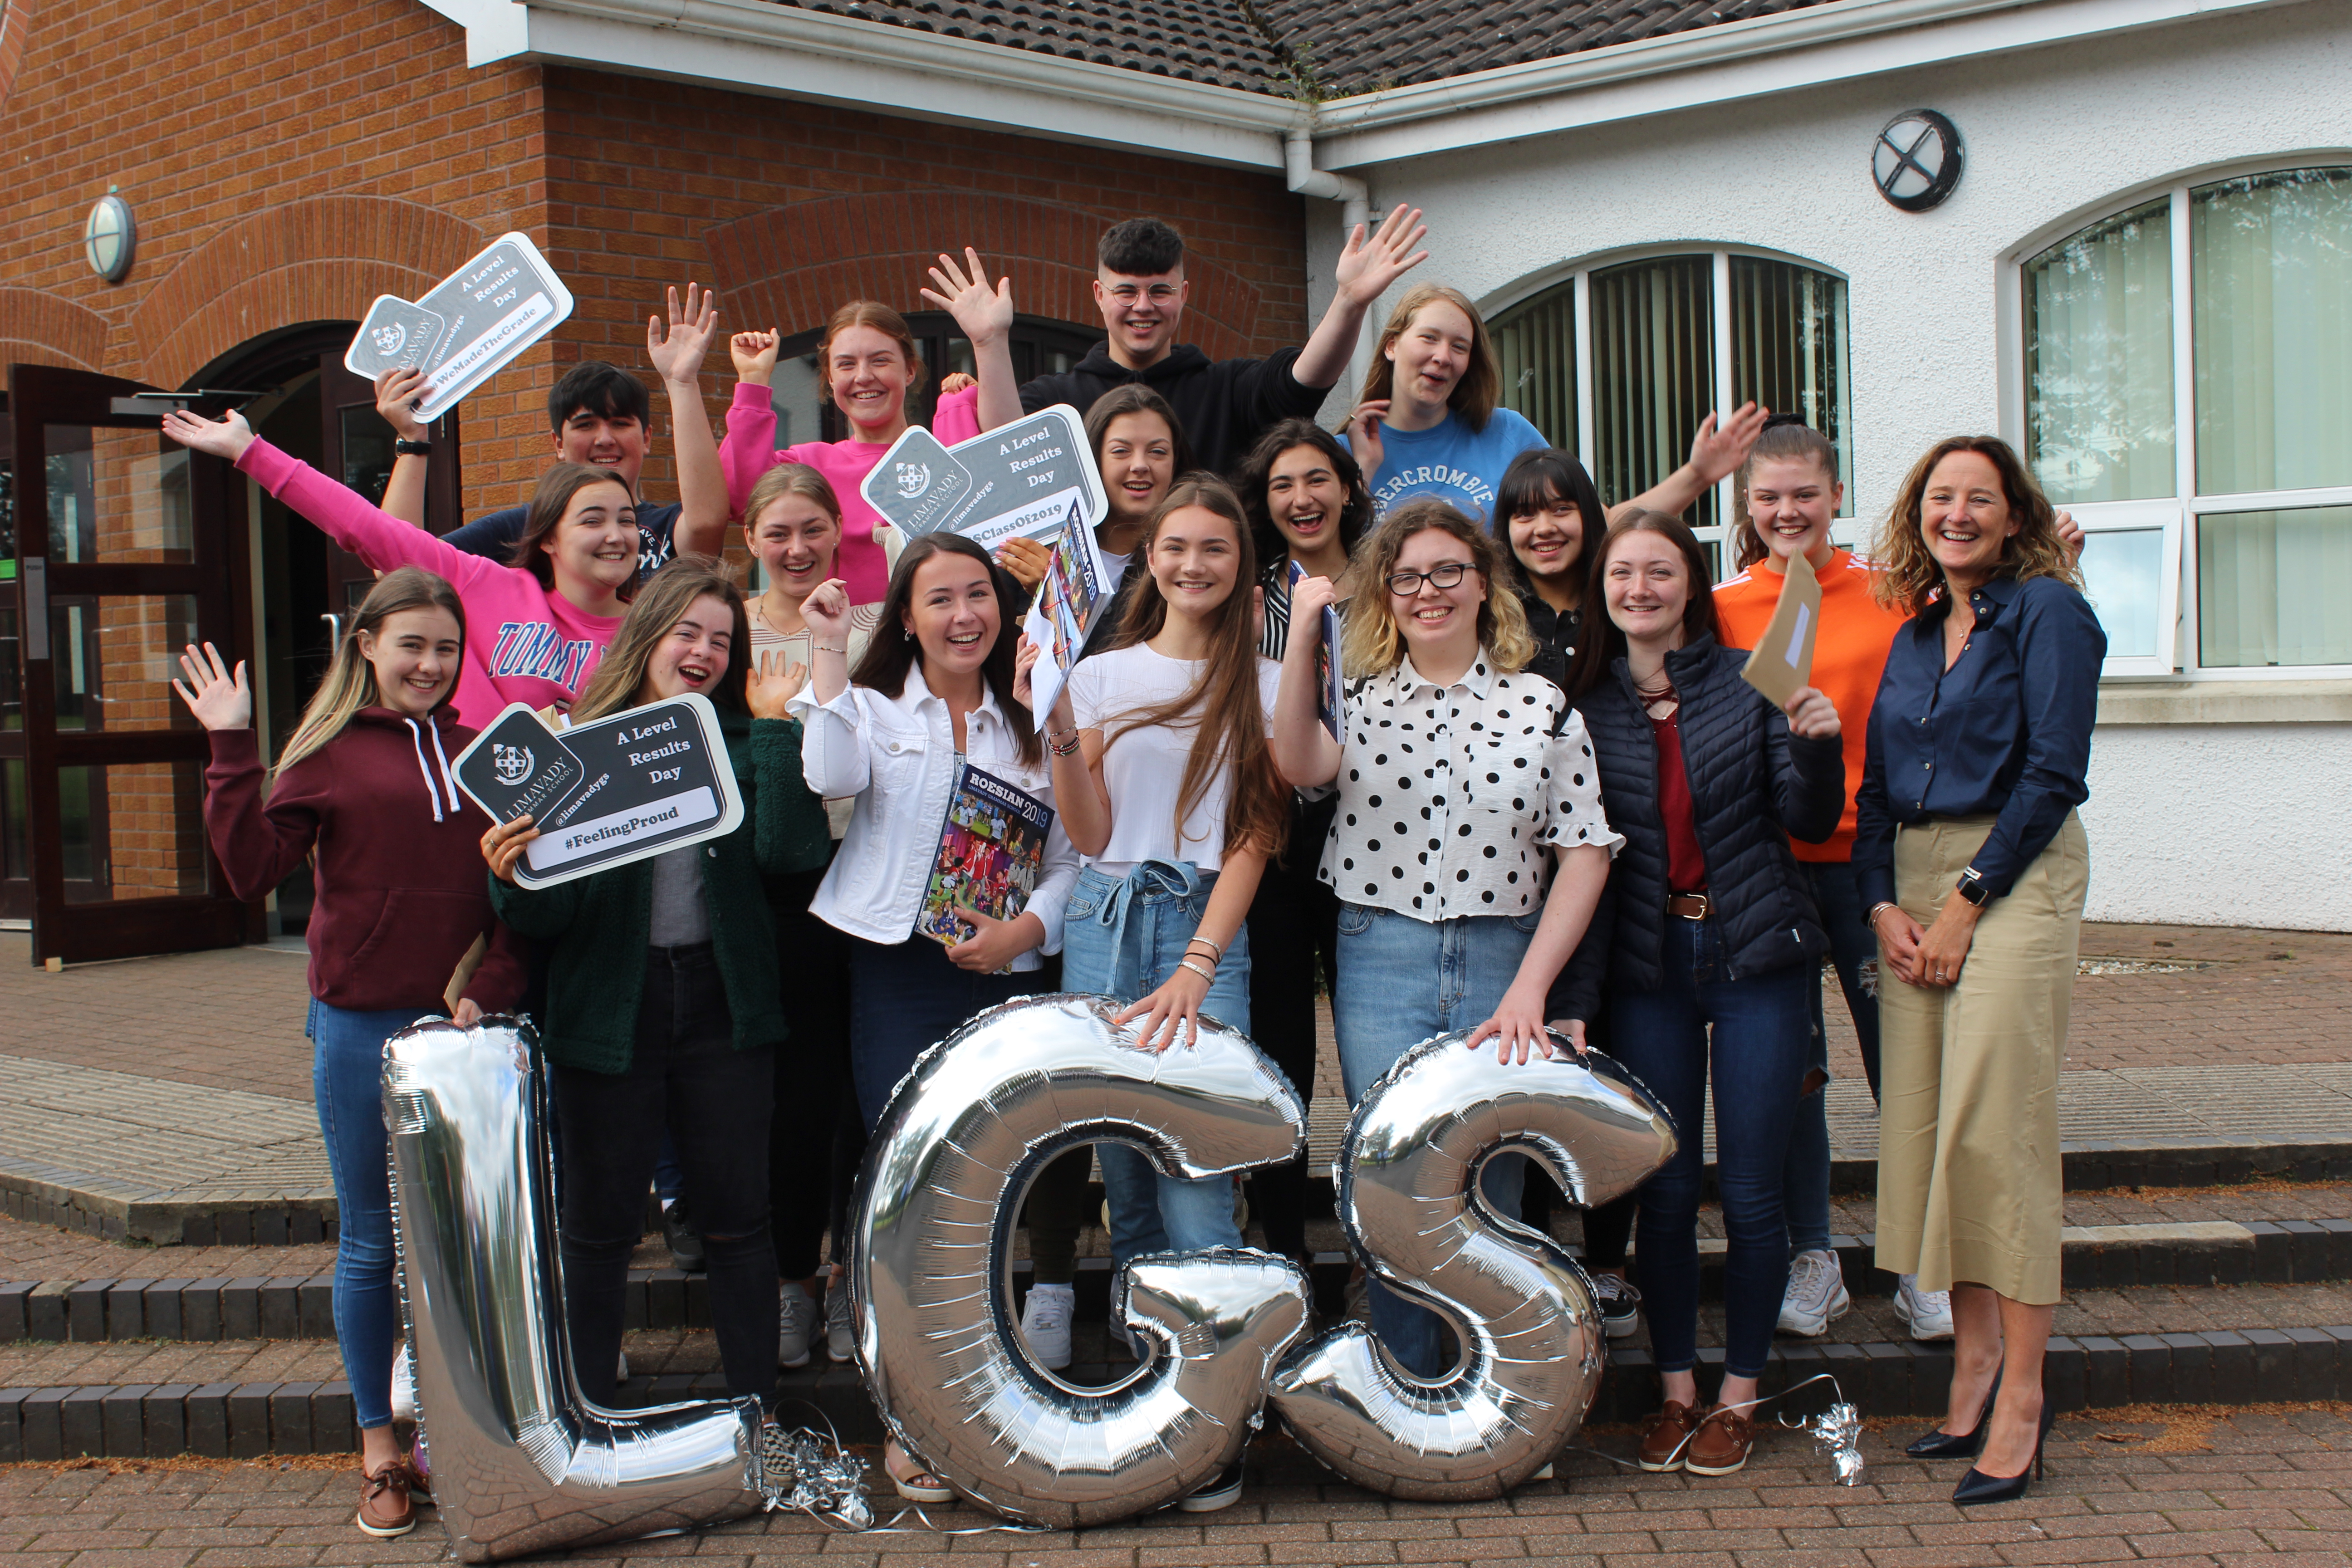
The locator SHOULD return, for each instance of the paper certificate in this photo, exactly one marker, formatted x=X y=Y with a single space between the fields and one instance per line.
x=606 y=792
x=1783 y=658
x=469 y=327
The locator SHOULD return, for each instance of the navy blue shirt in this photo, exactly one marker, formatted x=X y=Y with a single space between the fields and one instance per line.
x=493 y=535
x=2005 y=733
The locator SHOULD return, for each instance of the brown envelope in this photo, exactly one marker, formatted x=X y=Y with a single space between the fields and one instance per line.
x=1784 y=659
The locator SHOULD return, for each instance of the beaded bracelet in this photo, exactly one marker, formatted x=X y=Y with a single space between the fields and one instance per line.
x=1059 y=749
x=824 y=647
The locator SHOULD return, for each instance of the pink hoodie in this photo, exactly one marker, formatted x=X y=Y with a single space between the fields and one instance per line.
x=524 y=643
x=749 y=451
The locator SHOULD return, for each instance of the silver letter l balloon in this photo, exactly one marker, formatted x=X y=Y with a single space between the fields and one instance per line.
x=521 y=1462
x=980 y=1114
x=1532 y=1353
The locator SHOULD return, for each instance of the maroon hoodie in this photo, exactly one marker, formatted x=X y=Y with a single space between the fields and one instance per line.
x=402 y=889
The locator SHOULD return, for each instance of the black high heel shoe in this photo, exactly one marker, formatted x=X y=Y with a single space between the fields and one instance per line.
x=1967 y=1445
x=1976 y=1487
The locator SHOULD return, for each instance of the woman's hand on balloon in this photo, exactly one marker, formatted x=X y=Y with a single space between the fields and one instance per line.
x=1516 y=1028
x=467 y=1014
x=1173 y=1009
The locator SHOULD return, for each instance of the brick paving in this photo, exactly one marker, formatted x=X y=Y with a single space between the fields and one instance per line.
x=2269 y=1485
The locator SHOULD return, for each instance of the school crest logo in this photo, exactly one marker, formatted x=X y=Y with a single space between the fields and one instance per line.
x=512 y=764
x=913 y=479
x=391 y=338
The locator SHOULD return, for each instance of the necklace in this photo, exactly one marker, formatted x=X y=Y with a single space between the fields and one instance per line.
x=760 y=614
x=1659 y=697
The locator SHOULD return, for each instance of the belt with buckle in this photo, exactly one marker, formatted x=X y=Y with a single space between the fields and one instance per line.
x=1689 y=906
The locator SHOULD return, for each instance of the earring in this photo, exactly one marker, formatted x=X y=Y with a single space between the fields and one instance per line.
x=907 y=634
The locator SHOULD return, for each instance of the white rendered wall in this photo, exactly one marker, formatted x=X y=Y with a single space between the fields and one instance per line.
x=2242 y=824
x=2231 y=823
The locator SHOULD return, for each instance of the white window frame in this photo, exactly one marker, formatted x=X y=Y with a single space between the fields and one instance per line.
x=1847 y=529
x=2179 y=512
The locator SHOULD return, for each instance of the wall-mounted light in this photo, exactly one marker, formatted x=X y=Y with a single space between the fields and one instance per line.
x=109 y=237
x=1916 y=160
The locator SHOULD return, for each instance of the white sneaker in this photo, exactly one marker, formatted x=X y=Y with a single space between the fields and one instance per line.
x=840 y=1327
x=796 y=1315
x=1928 y=1312
x=1816 y=1294
x=1045 y=1324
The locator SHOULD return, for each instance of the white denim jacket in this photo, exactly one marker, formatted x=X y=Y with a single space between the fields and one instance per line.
x=897 y=757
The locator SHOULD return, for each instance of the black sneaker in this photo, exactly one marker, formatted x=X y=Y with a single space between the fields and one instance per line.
x=684 y=1241
x=1619 y=1304
x=1209 y=1495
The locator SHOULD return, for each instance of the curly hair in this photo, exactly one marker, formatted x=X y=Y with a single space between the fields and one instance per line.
x=1909 y=578
x=1371 y=643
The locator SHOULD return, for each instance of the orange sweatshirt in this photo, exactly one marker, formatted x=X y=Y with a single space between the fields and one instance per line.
x=1851 y=655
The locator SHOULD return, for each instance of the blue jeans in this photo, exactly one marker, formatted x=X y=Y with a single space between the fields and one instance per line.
x=1123 y=938
x=1854 y=951
x=904 y=998
x=1757 y=1052
x=347 y=1081
x=1402 y=979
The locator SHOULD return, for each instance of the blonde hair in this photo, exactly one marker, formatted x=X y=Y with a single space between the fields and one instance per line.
x=789 y=480
x=1909 y=578
x=660 y=605
x=1370 y=644
x=350 y=685
x=1481 y=387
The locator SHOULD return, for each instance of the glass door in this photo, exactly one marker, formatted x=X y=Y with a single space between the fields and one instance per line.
x=122 y=555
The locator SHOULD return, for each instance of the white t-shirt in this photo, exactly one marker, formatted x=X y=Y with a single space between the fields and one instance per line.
x=1144 y=768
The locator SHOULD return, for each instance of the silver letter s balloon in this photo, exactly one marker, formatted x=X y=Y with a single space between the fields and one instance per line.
x=1519 y=1304
x=966 y=1131
x=521 y=1461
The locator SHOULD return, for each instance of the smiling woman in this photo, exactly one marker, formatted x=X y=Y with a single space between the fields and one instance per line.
x=534 y=632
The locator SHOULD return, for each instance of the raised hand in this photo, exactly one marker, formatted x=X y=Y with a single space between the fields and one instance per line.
x=1026 y=559
x=955 y=381
x=754 y=354
x=218 y=701
x=226 y=436
x=396 y=392
x=772 y=684
x=1025 y=659
x=826 y=612
x=986 y=314
x=677 y=354
x=1364 y=435
x=1716 y=451
x=1368 y=265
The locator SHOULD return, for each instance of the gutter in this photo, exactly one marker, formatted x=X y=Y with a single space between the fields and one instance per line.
x=1355 y=199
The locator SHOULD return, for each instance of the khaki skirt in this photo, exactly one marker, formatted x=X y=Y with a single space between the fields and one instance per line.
x=1969 y=1185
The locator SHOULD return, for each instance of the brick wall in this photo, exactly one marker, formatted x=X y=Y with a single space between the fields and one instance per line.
x=288 y=160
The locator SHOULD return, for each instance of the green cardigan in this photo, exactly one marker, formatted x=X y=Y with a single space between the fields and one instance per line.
x=597 y=926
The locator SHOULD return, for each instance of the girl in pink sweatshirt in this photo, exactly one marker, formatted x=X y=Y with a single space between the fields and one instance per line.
x=869 y=363
x=534 y=631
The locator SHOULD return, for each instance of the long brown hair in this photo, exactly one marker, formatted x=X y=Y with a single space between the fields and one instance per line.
x=1481 y=387
x=660 y=605
x=549 y=502
x=350 y=685
x=882 y=319
x=1603 y=640
x=1371 y=643
x=1224 y=698
x=887 y=660
x=1786 y=437
x=1909 y=578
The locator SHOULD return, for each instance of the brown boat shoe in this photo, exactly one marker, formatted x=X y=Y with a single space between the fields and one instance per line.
x=385 y=1508
x=1665 y=1444
x=1722 y=1443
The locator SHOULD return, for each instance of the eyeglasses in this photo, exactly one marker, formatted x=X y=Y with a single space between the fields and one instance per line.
x=1406 y=584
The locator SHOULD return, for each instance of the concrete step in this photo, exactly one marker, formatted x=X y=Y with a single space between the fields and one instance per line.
x=2211 y=1252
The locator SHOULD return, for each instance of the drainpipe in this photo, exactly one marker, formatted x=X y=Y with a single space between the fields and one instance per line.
x=1355 y=199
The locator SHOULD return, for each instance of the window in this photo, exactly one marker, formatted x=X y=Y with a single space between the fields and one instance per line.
x=2205 y=451
x=1620 y=364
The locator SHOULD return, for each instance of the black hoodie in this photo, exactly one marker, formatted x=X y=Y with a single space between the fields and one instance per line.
x=1224 y=406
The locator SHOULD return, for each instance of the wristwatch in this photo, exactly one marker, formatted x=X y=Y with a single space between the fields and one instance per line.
x=408 y=448
x=1973 y=888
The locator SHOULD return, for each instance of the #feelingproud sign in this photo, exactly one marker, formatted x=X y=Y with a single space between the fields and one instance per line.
x=473 y=323
x=606 y=792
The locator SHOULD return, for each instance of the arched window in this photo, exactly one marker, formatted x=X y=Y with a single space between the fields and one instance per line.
x=2220 y=540
x=1620 y=364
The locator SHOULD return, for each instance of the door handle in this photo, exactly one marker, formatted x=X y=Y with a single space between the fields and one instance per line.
x=35 y=576
x=334 y=631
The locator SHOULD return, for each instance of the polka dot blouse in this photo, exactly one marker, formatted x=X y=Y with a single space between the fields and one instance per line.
x=1449 y=796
